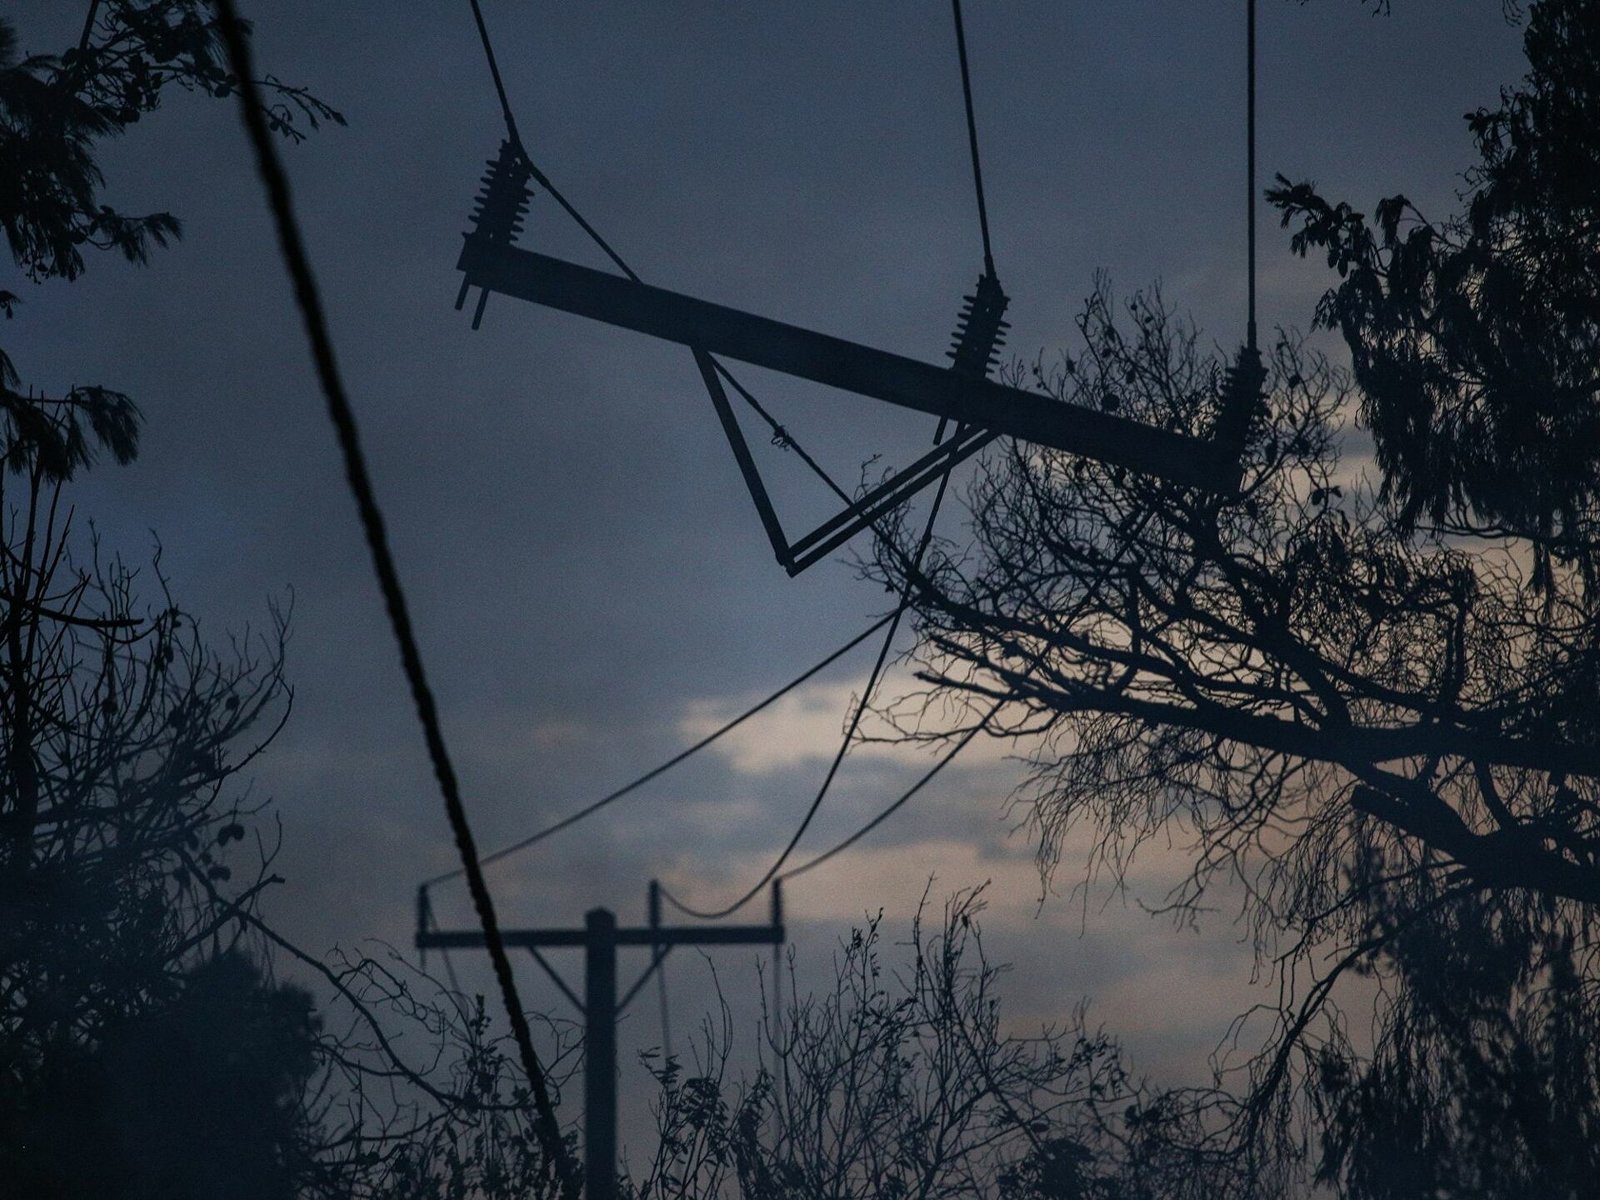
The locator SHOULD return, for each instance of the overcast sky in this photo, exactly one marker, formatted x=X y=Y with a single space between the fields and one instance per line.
x=590 y=584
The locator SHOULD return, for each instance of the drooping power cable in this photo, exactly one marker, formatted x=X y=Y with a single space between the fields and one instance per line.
x=850 y=730
x=915 y=564
x=340 y=412
x=899 y=803
x=638 y=782
x=780 y=435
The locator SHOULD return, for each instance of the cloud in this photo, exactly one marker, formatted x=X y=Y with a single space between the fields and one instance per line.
x=806 y=726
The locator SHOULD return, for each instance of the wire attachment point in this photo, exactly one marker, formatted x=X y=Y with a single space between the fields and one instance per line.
x=980 y=332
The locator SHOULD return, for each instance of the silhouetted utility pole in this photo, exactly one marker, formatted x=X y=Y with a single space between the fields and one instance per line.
x=599 y=938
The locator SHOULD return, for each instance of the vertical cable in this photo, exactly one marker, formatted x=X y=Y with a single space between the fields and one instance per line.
x=659 y=954
x=88 y=25
x=1250 y=161
x=972 y=139
x=494 y=70
x=780 y=1071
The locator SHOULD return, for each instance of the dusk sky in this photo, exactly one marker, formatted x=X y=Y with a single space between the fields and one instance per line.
x=591 y=586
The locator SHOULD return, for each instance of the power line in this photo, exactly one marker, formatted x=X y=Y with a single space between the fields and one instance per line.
x=899 y=803
x=915 y=564
x=755 y=889
x=780 y=436
x=494 y=72
x=594 y=807
x=905 y=599
x=972 y=138
x=341 y=413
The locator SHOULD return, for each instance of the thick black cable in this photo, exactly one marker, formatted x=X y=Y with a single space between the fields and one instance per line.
x=849 y=733
x=340 y=412
x=595 y=806
x=494 y=72
x=972 y=138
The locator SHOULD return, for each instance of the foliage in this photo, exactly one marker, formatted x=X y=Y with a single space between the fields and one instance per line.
x=54 y=110
x=124 y=931
x=195 y=1097
x=1476 y=339
x=122 y=740
x=904 y=1083
x=1486 y=1084
x=454 y=1122
x=1365 y=711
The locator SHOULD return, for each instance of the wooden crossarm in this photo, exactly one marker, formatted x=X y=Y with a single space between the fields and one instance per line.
x=835 y=362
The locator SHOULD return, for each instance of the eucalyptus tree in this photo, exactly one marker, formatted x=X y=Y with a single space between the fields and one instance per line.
x=1363 y=698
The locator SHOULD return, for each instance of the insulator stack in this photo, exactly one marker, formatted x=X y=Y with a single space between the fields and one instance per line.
x=980 y=332
x=497 y=217
x=1241 y=398
x=503 y=202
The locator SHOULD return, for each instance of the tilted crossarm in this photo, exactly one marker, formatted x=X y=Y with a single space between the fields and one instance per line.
x=715 y=329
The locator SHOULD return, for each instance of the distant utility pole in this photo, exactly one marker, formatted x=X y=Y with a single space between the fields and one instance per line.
x=600 y=1007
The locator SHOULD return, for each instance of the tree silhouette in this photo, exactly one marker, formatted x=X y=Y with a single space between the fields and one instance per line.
x=123 y=734
x=1360 y=708
x=194 y=1099
x=1476 y=340
x=899 y=1081
x=53 y=112
x=1486 y=1083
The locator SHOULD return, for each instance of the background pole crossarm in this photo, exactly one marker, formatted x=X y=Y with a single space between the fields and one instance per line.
x=599 y=938
x=835 y=362
x=640 y=935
